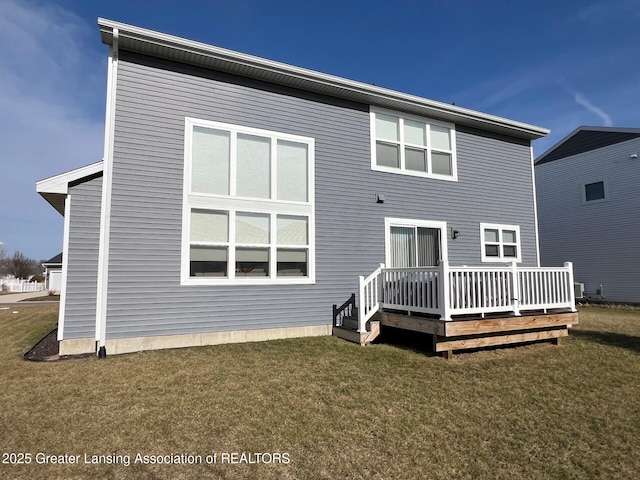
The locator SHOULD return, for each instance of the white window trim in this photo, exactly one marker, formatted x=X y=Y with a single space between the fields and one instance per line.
x=406 y=222
x=234 y=204
x=500 y=227
x=583 y=187
x=402 y=171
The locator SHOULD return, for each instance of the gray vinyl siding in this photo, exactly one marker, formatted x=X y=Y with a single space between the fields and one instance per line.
x=154 y=97
x=82 y=259
x=602 y=239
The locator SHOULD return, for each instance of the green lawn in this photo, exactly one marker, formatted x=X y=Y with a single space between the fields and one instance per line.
x=387 y=411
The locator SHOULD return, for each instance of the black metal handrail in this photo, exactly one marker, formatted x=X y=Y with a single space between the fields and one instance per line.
x=347 y=309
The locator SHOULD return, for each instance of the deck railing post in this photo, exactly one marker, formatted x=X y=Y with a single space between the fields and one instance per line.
x=381 y=285
x=572 y=292
x=362 y=306
x=444 y=291
x=515 y=289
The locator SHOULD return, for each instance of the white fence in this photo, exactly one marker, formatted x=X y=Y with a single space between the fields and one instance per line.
x=447 y=291
x=15 y=285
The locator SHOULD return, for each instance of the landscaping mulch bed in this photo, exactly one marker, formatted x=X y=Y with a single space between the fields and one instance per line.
x=47 y=350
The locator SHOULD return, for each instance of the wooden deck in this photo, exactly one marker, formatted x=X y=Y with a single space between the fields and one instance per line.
x=462 y=307
x=468 y=333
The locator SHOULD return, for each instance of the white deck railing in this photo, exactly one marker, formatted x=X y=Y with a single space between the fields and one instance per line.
x=369 y=297
x=416 y=289
x=448 y=291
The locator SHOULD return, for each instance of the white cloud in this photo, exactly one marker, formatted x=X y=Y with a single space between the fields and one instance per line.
x=581 y=100
x=52 y=84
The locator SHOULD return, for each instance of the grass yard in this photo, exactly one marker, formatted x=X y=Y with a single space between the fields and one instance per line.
x=336 y=409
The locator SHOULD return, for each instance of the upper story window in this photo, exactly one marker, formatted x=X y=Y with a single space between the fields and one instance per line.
x=594 y=192
x=248 y=206
x=500 y=243
x=412 y=145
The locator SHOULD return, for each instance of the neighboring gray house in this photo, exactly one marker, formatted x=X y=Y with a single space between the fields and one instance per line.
x=240 y=198
x=589 y=209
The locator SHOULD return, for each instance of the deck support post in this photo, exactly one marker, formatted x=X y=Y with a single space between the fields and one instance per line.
x=515 y=286
x=447 y=354
x=443 y=291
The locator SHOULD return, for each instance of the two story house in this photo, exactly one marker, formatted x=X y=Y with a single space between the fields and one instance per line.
x=588 y=202
x=239 y=198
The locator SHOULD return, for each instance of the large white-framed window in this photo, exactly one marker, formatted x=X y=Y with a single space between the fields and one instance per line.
x=500 y=243
x=248 y=211
x=414 y=243
x=412 y=145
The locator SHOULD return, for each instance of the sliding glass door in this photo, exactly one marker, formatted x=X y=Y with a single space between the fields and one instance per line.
x=413 y=246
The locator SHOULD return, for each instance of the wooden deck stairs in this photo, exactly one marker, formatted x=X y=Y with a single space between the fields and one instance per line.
x=345 y=323
x=349 y=331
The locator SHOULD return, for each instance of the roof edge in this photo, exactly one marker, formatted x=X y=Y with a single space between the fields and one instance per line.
x=342 y=86
x=60 y=183
x=542 y=158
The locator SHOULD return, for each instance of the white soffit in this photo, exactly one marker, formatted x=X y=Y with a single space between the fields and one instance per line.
x=55 y=189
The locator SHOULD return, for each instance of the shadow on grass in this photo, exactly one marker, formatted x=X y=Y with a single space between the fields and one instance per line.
x=620 y=340
x=407 y=340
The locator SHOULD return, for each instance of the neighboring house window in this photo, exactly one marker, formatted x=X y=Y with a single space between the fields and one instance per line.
x=594 y=191
x=248 y=214
x=412 y=145
x=500 y=242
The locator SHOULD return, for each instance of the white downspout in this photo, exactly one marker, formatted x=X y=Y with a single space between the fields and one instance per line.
x=105 y=209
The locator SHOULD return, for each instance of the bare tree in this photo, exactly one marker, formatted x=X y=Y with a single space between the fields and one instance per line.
x=21 y=266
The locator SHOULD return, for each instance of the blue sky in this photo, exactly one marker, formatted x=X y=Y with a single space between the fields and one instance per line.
x=556 y=64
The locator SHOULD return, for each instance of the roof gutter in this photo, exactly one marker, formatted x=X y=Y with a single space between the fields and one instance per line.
x=176 y=48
